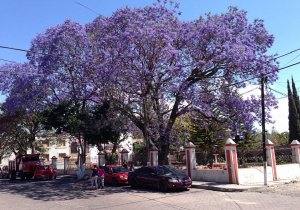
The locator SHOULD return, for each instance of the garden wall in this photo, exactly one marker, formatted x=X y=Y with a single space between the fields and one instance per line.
x=210 y=175
x=247 y=176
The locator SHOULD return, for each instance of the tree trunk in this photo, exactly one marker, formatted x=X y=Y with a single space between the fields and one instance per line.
x=164 y=150
x=163 y=154
x=147 y=142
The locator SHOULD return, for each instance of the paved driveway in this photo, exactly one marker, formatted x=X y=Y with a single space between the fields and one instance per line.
x=69 y=194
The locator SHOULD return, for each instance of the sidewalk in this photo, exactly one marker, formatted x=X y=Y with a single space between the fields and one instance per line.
x=212 y=185
x=234 y=187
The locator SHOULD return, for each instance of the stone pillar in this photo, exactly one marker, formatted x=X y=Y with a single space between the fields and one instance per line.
x=216 y=158
x=101 y=158
x=54 y=162
x=271 y=160
x=295 y=151
x=231 y=161
x=66 y=164
x=170 y=157
x=124 y=156
x=153 y=156
x=190 y=155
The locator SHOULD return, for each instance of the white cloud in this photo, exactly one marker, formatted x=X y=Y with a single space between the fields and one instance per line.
x=280 y=116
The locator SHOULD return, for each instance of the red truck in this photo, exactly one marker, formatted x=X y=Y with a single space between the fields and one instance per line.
x=23 y=166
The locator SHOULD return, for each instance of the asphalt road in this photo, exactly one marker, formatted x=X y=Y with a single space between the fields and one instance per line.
x=66 y=193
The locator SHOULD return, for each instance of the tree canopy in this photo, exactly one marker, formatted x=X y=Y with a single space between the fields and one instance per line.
x=154 y=67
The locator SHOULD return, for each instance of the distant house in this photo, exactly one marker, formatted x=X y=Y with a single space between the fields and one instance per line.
x=62 y=145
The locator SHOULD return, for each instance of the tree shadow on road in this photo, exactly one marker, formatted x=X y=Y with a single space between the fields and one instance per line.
x=54 y=190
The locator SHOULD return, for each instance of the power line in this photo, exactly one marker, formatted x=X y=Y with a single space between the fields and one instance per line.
x=88 y=8
x=293 y=59
x=277 y=91
x=13 y=48
x=294 y=64
x=1 y=59
x=256 y=77
x=287 y=53
x=249 y=91
x=23 y=50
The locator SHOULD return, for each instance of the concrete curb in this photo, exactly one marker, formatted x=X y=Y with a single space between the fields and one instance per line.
x=237 y=188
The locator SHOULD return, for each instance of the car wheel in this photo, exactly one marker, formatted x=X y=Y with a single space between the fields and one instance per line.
x=10 y=176
x=133 y=184
x=22 y=175
x=163 y=187
x=114 y=182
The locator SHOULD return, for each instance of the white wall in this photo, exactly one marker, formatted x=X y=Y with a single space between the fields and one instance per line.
x=254 y=175
x=93 y=150
x=248 y=176
x=55 y=151
x=210 y=175
x=289 y=171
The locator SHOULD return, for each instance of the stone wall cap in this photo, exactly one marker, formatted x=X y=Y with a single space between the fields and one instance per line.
x=295 y=143
x=189 y=145
x=124 y=151
x=153 y=148
x=229 y=142
x=268 y=142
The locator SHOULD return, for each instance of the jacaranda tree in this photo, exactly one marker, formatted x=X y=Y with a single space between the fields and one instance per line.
x=161 y=67
x=154 y=67
x=62 y=55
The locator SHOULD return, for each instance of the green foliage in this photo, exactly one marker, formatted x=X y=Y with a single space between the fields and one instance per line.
x=206 y=138
x=64 y=117
x=97 y=124
x=18 y=131
x=294 y=118
x=111 y=158
x=105 y=125
x=279 y=139
x=140 y=153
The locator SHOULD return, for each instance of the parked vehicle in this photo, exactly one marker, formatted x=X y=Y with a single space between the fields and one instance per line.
x=44 y=172
x=115 y=174
x=160 y=177
x=23 y=166
x=4 y=172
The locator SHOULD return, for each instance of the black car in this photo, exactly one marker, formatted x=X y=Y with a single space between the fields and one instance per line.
x=159 y=177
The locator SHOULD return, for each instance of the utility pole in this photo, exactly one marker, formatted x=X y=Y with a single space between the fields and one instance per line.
x=263 y=125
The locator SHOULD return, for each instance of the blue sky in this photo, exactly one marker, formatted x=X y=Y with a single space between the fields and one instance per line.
x=21 y=21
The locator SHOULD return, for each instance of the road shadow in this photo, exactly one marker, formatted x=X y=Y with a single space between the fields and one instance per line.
x=66 y=188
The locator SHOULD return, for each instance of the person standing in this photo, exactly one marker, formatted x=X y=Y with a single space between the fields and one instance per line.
x=101 y=174
x=131 y=167
x=94 y=178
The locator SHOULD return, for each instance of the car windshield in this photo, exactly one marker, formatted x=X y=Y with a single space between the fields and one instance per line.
x=167 y=171
x=119 y=169
x=41 y=167
x=31 y=158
